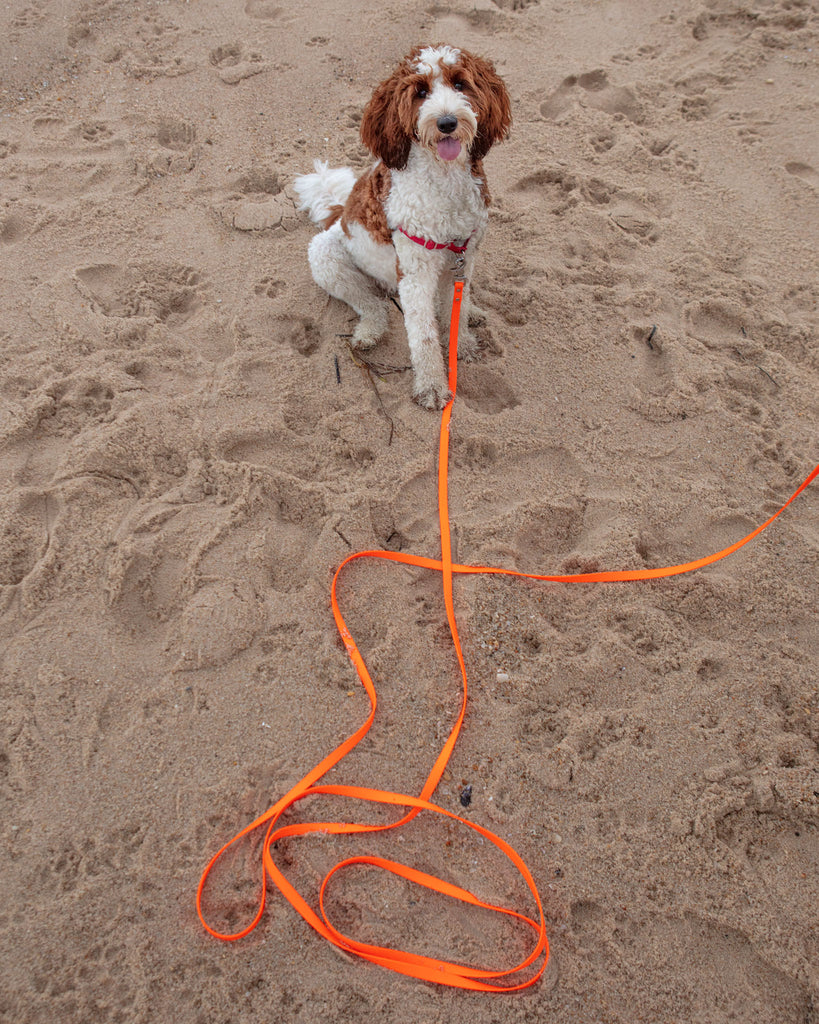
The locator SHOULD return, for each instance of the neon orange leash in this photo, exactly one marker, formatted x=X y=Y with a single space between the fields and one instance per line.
x=442 y=972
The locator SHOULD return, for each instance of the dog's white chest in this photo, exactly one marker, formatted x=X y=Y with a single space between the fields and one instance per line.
x=435 y=202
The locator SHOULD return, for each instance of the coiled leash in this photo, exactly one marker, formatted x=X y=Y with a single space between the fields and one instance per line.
x=442 y=972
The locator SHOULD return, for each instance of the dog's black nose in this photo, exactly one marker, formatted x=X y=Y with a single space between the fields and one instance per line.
x=447 y=124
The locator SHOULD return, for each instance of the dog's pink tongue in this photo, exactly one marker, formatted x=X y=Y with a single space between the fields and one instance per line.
x=448 y=148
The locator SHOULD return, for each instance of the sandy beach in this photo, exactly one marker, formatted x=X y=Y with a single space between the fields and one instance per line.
x=189 y=449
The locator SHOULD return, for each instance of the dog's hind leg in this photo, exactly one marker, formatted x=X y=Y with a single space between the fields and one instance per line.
x=334 y=271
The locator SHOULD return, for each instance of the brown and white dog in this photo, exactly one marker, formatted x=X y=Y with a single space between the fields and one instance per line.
x=402 y=224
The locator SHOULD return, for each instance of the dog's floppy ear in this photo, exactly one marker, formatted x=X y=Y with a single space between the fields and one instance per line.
x=492 y=100
x=385 y=125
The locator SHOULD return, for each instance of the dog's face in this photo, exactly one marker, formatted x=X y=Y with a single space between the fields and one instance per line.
x=446 y=100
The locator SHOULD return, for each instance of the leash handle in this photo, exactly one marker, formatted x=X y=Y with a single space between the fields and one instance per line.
x=424 y=968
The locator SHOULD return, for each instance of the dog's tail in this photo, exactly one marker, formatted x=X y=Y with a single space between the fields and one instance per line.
x=322 y=193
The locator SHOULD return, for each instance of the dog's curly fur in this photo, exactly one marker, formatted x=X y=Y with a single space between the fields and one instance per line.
x=429 y=125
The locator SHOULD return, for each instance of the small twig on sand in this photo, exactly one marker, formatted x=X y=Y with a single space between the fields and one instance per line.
x=770 y=378
x=368 y=369
x=381 y=370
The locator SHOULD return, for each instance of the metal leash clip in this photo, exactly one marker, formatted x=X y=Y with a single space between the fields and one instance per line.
x=459 y=265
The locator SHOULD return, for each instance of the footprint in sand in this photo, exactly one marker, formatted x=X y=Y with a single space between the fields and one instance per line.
x=485 y=391
x=259 y=445
x=451 y=21
x=29 y=16
x=514 y=5
x=772 y=29
x=24 y=534
x=261 y=325
x=174 y=134
x=270 y=287
x=264 y=10
x=219 y=622
x=12 y=228
x=178 y=151
x=695 y=108
x=59 y=160
x=166 y=293
x=804 y=172
x=635 y=219
x=473 y=453
x=175 y=152
x=603 y=141
x=717 y=323
x=233 y=64
x=547 y=530
x=593 y=89
x=94 y=131
x=532 y=500
x=553 y=186
x=722 y=962
x=299 y=332
x=779 y=821
x=259 y=203
x=259 y=181
x=408 y=521
x=751 y=125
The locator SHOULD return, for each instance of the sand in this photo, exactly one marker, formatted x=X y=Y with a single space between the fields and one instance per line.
x=188 y=450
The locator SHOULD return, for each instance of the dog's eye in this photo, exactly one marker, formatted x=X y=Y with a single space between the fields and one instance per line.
x=421 y=92
x=459 y=86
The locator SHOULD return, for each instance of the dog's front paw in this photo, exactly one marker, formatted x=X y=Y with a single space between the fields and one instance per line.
x=468 y=348
x=433 y=397
x=364 y=339
x=369 y=330
x=476 y=317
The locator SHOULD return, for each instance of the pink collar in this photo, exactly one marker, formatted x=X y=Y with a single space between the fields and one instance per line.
x=429 y=244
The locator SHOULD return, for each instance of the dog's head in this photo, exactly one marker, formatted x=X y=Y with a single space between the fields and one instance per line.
x=447 y=100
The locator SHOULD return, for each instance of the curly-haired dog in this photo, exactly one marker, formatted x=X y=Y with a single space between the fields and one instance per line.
x=397 y=227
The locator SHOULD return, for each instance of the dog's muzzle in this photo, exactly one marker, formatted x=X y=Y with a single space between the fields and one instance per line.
x=448 y=147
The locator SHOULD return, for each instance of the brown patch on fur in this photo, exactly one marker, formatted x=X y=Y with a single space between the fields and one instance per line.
x=365 y=204
x=487 y=95
x=334 y=214
x=388 y=121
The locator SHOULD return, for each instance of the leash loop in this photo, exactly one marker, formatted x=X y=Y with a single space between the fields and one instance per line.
x=425 y=968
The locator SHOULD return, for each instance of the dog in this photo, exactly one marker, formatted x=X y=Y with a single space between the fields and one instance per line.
x=422 y=205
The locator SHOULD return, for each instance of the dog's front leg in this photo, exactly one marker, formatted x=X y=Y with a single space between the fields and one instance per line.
x=417 y=287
